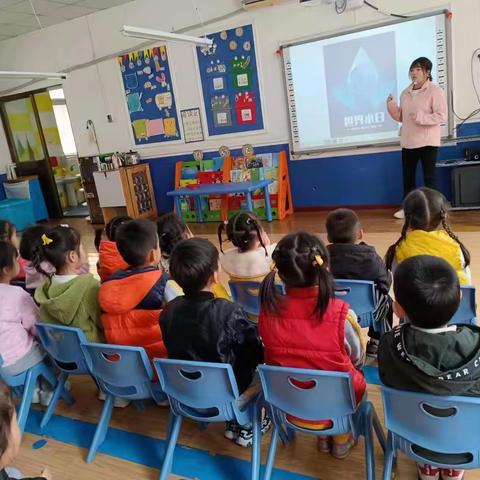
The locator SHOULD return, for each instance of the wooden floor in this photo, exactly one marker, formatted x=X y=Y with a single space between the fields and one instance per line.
x=301 y=457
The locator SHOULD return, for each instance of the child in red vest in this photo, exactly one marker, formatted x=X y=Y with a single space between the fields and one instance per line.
x=132 y=299
x=308 y=327
x=109 y=259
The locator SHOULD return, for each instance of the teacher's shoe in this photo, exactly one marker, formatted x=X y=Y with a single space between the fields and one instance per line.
x=399 y=214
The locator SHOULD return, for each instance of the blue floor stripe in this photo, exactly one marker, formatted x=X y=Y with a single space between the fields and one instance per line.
x=149 y=451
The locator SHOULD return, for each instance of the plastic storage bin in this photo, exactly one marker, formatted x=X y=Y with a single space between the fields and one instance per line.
x=19 y=212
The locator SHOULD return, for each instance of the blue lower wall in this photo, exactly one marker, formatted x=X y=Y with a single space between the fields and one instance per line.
x=362 y=179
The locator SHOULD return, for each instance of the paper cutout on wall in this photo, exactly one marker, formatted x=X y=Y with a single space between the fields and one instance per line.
x=134 y=103
x=155 y=127
x=170 y=126
x=163 y=100
x=140 y=129
x=131 y=81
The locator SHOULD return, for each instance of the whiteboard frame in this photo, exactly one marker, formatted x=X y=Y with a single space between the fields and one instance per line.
x=353 y=146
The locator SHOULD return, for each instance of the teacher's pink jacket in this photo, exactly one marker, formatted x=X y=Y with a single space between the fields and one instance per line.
x=421 y=115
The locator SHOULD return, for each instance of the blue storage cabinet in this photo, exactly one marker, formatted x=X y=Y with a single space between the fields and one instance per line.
x=17 y=211
x=28 y=188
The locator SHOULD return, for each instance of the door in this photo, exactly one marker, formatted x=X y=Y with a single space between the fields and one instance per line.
x=28 y=148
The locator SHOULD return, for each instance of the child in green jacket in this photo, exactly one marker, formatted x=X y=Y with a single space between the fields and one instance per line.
x=67 y=298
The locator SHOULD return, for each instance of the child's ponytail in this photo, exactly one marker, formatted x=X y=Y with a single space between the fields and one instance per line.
x=269 y=296
x=463 y=248
x=326 y=283
x=220 y=230
x=390 y=255
x=243 y=230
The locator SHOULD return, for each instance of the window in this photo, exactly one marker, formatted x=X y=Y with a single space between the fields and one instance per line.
x=63 y=121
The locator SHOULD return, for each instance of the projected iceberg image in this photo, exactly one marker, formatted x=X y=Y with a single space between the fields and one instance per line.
x=360 y=73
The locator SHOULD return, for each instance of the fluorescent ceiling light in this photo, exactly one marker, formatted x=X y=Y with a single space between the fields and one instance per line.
x=150 y=34
x=43 y=75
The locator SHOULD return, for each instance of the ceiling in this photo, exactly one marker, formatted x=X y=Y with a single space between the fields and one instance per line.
x=17 y=16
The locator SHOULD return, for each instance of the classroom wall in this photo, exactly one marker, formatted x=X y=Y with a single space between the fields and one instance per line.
x=94 y=90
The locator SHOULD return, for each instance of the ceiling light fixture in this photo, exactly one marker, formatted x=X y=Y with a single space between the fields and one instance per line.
x=150 y=34
x=40 y=75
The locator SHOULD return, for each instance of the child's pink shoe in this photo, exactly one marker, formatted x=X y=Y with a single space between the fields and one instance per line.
x=427 y=472
x=451 y=474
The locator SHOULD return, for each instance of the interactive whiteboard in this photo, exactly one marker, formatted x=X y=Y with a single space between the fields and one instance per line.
x=337 y=85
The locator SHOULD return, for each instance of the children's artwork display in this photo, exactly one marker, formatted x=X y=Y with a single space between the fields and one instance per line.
x=149 y=94
x=230 y=84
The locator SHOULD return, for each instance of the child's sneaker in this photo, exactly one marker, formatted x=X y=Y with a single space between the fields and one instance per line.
x=232 y=430
x=372 y=347
x=46 y=397
x=427 y=472
x=245 y=436
x=36 y=395
x=324 y=444
x=451 y=474
x=342 y=450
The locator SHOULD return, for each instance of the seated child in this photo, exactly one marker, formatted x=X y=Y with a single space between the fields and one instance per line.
x=309 y=327
x=428 y=355
x=251 y=258
x=131 y=300
x=426 y=232
x=171 y=230
x=10 y=436
x=109 y=259
x=66 y=297
x=352 y=259
x=8 y=233
x=18 y=316
x=198 y=326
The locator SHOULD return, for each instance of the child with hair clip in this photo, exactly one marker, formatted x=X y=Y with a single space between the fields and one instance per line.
x=66 y=297
x=171 y=231
x=308 y=327
x=10 y=437
x=251 y=257
x=109 y=259
x=8 y=233
x=426 y=232
x=18 y=316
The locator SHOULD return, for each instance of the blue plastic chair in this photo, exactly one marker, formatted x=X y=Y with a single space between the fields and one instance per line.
x=206 y=393
x=467 y=311
x=360 y=295
x=328 y=396
x=247 y=295
x=63 y=344
x=440 y=431
x=27 y=381
x=121 y=372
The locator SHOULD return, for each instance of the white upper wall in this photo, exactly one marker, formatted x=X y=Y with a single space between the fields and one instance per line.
x=94 y=88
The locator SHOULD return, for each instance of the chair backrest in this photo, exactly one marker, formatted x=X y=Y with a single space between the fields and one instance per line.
x=360 y=295
x=309 y=395
x=247 y=294
x=467 y=311
x=199 y=390
x=63 y=344
x=434 y=429
x=121 y=371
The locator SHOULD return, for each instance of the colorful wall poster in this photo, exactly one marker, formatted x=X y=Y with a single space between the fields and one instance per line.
x=230 y=86
x=147 y=82
x=192 y=125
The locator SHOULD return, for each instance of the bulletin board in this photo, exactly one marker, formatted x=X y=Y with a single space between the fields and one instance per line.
x=149 y=94
x=230 y=82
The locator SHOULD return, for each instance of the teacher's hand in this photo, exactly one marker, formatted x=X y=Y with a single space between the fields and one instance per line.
x=390 y=98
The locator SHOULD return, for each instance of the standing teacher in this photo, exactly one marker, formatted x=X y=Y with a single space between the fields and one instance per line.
x=422 y=110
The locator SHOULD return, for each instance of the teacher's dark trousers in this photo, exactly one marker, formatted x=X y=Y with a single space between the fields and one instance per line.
x=410 y=158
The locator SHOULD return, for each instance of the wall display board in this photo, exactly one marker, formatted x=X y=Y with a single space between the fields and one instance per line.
x=149 y=94
x=230 y=84
x=337 y=85
x=192 y=125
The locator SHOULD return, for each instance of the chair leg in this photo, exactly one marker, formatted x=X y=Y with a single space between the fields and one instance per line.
x=271 y=454
x=102 y=427
x=256 y=441
x=389 y=459
x=29 y=387
x=174 y=425
x=379 y=430
x=56 y=396
x=369 y=447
